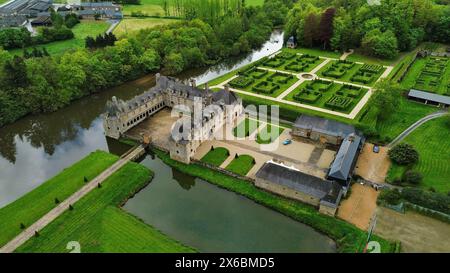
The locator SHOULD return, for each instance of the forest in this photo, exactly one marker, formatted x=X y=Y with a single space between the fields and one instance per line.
x=41 y=83
x=381 y=30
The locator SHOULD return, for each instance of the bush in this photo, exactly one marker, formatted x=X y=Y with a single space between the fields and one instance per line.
x=392 y=197
x=412 y=177
x=431 y=200
x=404 y=154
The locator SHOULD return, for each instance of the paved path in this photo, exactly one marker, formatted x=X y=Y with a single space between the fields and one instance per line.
x=416 y=125
x=346 y=54
x=63 y=206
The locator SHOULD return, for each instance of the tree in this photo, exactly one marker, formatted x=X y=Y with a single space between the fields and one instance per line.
x=380 y=44
x=174 y=63
x=310 y=30
x=326 y=27
x=392 y=197
x=16 y=72
x=385 y=99
x=412 y=177
x=404 y=154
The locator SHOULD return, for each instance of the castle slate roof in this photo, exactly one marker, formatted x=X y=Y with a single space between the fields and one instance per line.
x=300 y=182
x=325 y=126
x=225 y=97
x=345 y=157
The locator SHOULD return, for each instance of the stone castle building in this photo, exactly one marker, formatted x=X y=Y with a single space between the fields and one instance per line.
x=202 y=113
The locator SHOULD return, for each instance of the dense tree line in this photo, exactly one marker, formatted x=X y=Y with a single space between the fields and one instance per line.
x=379 y=30
x=102 y=40
x=43 y=84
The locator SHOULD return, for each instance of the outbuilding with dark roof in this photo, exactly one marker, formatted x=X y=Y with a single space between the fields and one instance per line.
x=429 y=98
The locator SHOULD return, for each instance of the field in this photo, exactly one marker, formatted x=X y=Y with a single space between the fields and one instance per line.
x=130 y=25
x=241 y=165
x=429 y=74
x=147 y=7
x=41 y=200
x=99 y=225
x=81 y=31
x=433 y=143
x=216 y=157
x=349 y=238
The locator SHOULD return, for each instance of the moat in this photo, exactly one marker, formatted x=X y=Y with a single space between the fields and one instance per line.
x=192 y=211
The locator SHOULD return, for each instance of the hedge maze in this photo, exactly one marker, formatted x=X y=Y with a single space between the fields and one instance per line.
x=432 y=75
x=339 y=102
x=367 y=74
x=288 y=61
x=338 y=69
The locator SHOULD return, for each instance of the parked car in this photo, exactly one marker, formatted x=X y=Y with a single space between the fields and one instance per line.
x=287 y=142
x=376 y=149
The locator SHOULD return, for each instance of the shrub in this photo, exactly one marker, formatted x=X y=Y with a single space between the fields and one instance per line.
x=431 y=200
x=412 y=177
x=392 y=197
x=404 y=154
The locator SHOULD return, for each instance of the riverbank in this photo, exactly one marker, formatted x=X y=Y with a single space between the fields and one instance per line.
x=348 y=238
x=28 y=209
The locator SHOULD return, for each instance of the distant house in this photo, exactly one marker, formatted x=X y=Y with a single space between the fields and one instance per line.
x=291 y=183
x=12 y=21
x=28 y=8
x=341 y=169
x=291 y=42
x=319 y=129
x=429 y=98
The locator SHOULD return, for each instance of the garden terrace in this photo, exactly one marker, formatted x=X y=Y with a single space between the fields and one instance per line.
x=303 y=63
x=216 y=156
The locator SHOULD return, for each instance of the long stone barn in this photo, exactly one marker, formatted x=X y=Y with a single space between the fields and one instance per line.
x=292 y=183
x=192 y=128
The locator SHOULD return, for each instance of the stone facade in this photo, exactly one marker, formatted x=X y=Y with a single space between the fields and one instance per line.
x=202 y=113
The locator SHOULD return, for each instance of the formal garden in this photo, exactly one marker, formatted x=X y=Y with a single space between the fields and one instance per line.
x=291 y=62
x=431 y=74
x=216 y=156
x=328 y=95
x=347 y=71
x=262 y=81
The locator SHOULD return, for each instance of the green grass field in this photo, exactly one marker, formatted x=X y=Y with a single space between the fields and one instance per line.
x=81 y=31
x=432 y=141
x=348 y=238
x=99 y=225
x=314 y=52
x=216 y=157
x=130 y=25
x=41 y=200
x=269 y=134
x=241 y=165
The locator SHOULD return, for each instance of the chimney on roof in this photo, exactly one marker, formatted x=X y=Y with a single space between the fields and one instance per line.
x=227 y=87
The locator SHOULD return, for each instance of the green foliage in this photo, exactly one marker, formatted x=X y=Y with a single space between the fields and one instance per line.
x=216 y=156
x=241 y=165
x=412 y=177
x=385 y=99
x=404 y=154
x=392 y=197
x=431 y=200
x=380 y=44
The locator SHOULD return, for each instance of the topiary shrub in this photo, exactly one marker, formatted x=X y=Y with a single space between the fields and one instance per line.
x=412 y=177
x=404 y=154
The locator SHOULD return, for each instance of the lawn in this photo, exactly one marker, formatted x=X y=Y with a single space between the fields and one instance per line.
x=269 y=134
x=129 y=25
x=314 y=52
x=406 y=113
x=147 y=7
x=245 y=128
x=81 y=31
x=41 y=200
x=99 y=225
x=359 y=57
x=241 y=165
x=216 y=157
x=348 y=238
x=432 y=141
x=323 y=94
